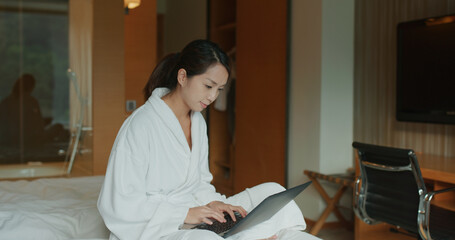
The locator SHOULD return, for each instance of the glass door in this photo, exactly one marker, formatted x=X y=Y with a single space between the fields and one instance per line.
x=34 y=86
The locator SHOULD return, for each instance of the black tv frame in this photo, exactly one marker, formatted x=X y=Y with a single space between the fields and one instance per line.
x=447 y=117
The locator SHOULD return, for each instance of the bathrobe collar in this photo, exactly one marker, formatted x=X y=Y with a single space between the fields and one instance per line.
x=170 y=120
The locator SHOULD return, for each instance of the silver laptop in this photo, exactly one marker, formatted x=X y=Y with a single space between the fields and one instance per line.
x=266 y=209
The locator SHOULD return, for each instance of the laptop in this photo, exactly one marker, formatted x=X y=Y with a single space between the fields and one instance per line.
x=266 y=209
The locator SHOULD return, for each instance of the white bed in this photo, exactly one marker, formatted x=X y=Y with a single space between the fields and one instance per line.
x=61 y=208
x=52 y=208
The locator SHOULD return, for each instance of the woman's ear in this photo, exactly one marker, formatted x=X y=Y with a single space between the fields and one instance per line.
x=181 y=77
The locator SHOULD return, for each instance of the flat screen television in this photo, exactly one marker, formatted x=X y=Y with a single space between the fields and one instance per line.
x=426 y=70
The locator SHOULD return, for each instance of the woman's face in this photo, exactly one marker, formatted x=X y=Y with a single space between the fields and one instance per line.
x=199 y=91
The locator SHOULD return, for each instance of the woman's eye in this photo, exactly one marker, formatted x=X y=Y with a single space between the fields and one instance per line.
x=220 y=89
x=207 y=86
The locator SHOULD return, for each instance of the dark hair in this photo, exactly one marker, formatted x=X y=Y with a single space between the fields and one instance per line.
x=25 y=84
x=195 y=58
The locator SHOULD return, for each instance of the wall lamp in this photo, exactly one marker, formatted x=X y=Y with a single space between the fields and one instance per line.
x=130 y=4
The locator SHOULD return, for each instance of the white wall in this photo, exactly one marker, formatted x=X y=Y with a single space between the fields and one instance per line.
x=304 y=98
x=321 y=94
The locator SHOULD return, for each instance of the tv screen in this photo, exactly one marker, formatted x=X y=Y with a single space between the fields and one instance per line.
x=426 y=70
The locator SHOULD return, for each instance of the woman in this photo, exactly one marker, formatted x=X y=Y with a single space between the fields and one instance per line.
x=158 y=177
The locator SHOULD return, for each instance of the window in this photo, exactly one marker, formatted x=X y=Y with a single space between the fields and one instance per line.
x=34 y=88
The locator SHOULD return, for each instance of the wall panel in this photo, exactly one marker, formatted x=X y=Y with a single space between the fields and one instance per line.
x=375 y=76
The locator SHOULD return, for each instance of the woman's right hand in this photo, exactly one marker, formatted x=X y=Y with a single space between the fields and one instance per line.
x=201 y=214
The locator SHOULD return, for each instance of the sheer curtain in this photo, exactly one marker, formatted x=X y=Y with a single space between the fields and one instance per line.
x=80 y=53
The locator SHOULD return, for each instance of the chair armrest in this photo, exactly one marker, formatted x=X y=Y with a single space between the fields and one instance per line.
x=359 y=202
x=441 y=191
x=356 y=203
x=423 y=219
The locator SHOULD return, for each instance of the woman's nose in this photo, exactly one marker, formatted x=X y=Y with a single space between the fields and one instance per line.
x=213 y=95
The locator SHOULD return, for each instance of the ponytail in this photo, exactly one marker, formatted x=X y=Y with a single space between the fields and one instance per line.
x=195 y=58
x=161 y=75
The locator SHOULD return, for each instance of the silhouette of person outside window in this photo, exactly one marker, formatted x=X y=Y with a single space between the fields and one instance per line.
x=21 y=115
x=22 y=126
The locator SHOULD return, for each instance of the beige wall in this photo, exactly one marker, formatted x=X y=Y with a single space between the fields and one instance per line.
x=304 y=98
x=321 y=94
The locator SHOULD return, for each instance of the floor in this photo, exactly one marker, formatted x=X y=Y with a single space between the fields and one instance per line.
x=335 y=234
x=343 y=234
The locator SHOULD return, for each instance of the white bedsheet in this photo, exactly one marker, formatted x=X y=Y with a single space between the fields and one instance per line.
x=62 y=208
x=54 y=208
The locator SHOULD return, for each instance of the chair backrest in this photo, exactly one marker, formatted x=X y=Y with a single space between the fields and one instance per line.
x=391 y=185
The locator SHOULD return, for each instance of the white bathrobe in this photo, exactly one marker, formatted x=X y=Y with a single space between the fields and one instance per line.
x=153 y=177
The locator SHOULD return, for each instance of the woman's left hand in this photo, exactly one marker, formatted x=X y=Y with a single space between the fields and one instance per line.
x=223 y=207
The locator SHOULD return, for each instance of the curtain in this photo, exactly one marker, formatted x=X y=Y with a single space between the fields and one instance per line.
x=80 y=53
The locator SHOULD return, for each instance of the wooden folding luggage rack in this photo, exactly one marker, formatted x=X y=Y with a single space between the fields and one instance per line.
x=345 y=181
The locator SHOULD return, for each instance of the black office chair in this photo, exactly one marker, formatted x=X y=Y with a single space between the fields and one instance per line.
x=391 y=189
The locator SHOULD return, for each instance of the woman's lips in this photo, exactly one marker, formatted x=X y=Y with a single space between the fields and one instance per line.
x=204 y=105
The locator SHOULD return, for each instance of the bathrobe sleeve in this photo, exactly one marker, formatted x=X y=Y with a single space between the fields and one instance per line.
x=128 y=211
x=206 y=192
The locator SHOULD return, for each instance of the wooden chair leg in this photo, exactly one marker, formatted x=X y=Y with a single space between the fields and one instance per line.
x=331 y=206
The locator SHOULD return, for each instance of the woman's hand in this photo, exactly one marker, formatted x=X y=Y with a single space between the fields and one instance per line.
x=201 y=214
x=223 y=207
x=270 y=238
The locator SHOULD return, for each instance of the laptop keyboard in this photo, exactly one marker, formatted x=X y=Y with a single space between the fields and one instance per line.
x=219 y=227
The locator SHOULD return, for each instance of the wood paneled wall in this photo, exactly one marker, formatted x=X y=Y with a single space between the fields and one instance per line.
x=375 y=76
x=124 y=55
x=260 y=93
x=107 y=79
x=140 y=49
